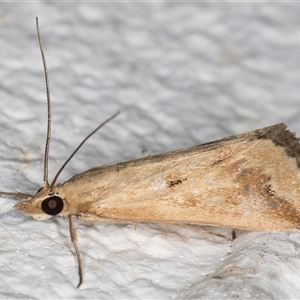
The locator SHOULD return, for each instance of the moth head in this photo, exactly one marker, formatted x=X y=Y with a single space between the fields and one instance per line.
x=43 y=205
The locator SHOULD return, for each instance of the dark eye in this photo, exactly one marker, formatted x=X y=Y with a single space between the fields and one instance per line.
x=52 y=206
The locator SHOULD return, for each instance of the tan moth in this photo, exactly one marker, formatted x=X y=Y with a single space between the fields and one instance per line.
x=249 y=181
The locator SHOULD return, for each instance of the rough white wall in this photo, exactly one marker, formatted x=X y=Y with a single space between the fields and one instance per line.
x=181 y=74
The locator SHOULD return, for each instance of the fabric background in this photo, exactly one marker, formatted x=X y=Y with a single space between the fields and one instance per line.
x=181 y=74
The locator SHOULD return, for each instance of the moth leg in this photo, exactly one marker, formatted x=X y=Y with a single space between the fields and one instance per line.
x=233 y=234
x=73 y=236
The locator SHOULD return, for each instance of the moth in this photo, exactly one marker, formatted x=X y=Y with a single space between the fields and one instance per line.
x=249 y=181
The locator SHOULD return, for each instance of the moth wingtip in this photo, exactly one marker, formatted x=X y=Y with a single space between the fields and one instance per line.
x=280 y=135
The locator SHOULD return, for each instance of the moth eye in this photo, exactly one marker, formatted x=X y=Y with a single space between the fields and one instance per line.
x=52 y=206
x=39 y=190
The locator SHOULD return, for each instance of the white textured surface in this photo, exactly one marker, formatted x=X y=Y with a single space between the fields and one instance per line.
x=181 y=74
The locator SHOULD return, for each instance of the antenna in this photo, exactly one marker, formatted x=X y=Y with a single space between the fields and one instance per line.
x=79 y=146
x=47 y=145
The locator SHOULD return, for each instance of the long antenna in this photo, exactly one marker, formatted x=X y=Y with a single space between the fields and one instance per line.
x=78 y=147
x=47 y=145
